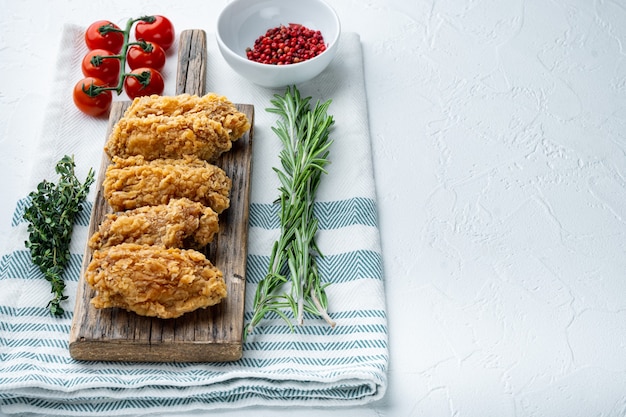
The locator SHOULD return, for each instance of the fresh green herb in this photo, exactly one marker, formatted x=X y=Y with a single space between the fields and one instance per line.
x=51 y=215
x=304 y=134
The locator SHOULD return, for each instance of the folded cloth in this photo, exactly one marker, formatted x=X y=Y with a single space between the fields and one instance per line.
x=314 y=365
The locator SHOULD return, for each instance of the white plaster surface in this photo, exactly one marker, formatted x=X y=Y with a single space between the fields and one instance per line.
x=499 y=141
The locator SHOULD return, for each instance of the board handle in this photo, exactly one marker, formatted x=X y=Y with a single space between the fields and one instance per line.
x=192 y=60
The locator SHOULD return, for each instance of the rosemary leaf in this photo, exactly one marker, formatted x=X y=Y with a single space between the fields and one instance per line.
x=304 y=134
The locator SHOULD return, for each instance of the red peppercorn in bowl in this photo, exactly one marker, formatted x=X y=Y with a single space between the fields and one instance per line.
x=275 y=43
x=287 y=44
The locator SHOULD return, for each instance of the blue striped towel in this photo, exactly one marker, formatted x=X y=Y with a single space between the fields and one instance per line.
x=314 y=366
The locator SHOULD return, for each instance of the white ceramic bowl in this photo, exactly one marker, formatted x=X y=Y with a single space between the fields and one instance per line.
x=241 y=22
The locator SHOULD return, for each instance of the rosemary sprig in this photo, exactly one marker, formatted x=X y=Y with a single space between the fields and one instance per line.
x=304 y=134
x=51 y=215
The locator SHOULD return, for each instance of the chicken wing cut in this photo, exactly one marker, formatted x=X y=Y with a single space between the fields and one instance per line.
x=173 y=126
x=133 y=182
x=181 y=223
x=154 y=281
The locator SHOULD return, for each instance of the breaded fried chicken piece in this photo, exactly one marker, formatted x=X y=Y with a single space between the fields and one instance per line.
x=181 y=223
x=133 y=182
x=154 y=281
x=172 y=126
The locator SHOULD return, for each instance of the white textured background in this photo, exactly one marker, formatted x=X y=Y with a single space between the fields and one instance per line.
x=499 y=140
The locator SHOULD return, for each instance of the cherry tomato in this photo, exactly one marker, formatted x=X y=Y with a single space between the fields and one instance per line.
x=137 y=57
x=143 y=82
x=96 y=105
x=160 y=31
x=95 y=64
x=104 y=34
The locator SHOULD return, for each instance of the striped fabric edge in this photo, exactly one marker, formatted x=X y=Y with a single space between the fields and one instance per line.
x=191 y=386
x=27 y=311
x=357 y=391
x=30 y=376
x=55 y=373
x=18 y=265
x=82 y=218
x=343 y=267
x=366 y=352
x=367 y=333
x=301 y=382
x=360 y=387
x=330 y=214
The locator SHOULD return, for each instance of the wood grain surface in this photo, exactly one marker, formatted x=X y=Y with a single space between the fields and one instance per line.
x=206 y=335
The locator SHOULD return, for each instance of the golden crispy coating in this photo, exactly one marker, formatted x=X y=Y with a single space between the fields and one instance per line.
x=133 y=182
x=154 y=281
x=181 y=223
x=172 y=126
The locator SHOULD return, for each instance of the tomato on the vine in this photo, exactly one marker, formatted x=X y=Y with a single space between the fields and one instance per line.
x=90 y=99
x=146 y=54
x=103 y=68
x=96 y=64
x=143 y=82
x=104 y=34
x=157 y=29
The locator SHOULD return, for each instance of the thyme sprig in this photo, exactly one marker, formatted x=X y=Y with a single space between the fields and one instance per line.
x=304 y=134
x=51 y=215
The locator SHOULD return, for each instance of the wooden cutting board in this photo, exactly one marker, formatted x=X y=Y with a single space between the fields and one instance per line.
x=207 y=335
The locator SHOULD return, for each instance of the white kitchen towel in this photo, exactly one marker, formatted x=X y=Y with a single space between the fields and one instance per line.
x=314 y=366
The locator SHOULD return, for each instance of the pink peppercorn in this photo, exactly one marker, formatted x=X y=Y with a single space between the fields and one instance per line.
x=285 y=45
